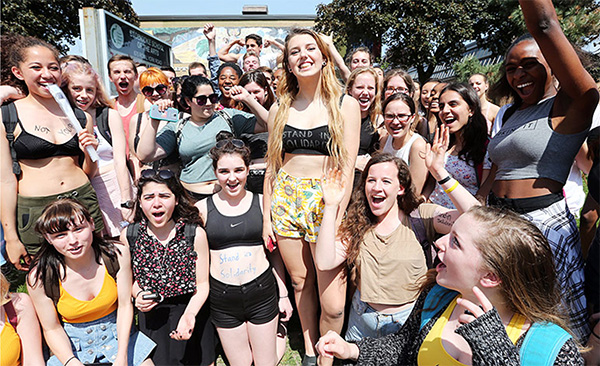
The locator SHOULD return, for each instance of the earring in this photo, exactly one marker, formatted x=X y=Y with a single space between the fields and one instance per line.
x=324 y=63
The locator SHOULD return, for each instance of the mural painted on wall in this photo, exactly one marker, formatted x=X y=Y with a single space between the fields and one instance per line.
x=190 y=44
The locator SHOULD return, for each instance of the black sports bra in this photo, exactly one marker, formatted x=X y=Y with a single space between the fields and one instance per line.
x=28 y=146
x=225 y=232
x=314 y=141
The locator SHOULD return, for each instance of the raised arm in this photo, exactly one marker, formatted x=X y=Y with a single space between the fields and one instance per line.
x=337 y=58
x=148 y=150
x=240 y=94
x=86 y=138
x=351 y=118
x=226 y=56
x=577 y=85
x=115 y=125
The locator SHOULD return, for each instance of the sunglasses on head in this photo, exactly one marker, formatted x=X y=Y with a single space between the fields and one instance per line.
x=201 y=99
x=152 y=173
x=235 y=142
x=160 y=89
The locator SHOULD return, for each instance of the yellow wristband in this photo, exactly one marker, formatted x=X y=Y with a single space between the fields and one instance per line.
x=456 y=184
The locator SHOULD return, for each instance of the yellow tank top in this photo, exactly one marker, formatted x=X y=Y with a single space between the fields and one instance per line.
x=10 y=347
x=73 y=310
x=432 y=351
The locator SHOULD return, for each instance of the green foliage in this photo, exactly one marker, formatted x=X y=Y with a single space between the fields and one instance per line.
x=470 y=65
x=426 y=33
x=56 y=21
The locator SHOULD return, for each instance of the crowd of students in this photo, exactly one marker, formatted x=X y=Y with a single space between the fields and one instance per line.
x=424 y=224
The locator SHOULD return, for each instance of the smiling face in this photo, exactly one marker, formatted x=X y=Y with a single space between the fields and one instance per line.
x=397 y=118
x=364 y=90
x=305 y=59
x=38 y=69
x=382 y=188
x=479 y=84
x=395 y=85
x=425 y=92
x=82 y=90
x=360 y=59
x=157 y=202
x=231 y=173
x=454 y=111
x=461 y=262
x=156 y=96
x=227 y=79
x=251 y=45
x=434 y=98
x=74 y=242
x=257 y=92
x=528 y=73
x=123 y=75
x=204 y=112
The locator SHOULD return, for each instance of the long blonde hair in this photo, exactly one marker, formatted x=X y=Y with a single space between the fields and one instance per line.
x=375 y=108
x=331 y=93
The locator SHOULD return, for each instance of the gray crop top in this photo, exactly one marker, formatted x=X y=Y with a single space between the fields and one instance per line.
x=526 y=147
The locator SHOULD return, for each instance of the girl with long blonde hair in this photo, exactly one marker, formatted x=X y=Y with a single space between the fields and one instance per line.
x=312 y=128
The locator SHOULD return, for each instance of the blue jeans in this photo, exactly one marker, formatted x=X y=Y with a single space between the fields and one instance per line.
x=96 y=341
x=365 y=321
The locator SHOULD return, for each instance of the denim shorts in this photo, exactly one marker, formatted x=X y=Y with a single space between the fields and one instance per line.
x=96 y=341
x=364 y=321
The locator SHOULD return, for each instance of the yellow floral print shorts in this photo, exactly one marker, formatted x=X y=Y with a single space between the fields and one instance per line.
x=297 y=207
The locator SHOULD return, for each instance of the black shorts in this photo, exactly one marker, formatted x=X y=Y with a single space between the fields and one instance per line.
x=255 y=302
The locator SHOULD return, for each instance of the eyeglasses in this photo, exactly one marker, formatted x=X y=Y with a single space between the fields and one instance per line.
x=160 y=89
x=164 y=174
x=201 y=99
x=235 y=142
x=399 y=89
x=400 y=117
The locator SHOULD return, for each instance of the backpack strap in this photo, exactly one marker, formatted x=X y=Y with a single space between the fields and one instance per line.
x=437 y=299
x=179 y=128
x=227 y=119
x=102 y=123
x=80 y=114
x=112 y=264
x=542 y=344
x=11 y=314
x=418 y=227
x=132 y=234
x=136 y=139
x=190 y=234
x=10 y=120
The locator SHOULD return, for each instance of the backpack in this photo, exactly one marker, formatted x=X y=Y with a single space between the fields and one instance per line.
x=542 y=342
x=112 y=266
x=11 y=314
x=10 y=120
x=102 y=123
x=133 y=234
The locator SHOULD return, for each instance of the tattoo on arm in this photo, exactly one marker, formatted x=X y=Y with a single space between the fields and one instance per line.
x=444 y=219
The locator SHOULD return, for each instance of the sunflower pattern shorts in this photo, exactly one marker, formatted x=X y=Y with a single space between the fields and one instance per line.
x=297 y=207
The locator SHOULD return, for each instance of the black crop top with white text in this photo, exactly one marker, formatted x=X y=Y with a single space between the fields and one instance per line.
x=314 y=141
x=28 y=146
x=225 y=232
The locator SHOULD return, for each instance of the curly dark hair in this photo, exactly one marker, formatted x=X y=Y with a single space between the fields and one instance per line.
x=360 y=219
x=184 y=210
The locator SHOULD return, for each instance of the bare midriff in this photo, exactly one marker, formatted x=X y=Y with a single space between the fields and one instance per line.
x=305 y=166
x=390 y=309
x=525 y=188
x=49 y=176
x=238 y=265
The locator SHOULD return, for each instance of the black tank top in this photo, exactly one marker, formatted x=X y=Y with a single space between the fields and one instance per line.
x=314 y=141
x=225 y=232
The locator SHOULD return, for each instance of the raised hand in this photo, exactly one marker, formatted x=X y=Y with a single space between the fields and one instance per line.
x=209 y=32
x=333 y=185
x=435 y=154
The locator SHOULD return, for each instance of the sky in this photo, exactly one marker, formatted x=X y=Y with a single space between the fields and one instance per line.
x=224 y=7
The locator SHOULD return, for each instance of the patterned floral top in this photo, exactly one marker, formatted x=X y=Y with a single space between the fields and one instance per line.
x=463 y=172
x=169 y=270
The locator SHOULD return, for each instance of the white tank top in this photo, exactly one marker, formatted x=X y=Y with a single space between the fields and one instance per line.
x=404 y=152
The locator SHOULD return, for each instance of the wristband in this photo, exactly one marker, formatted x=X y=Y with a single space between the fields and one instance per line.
x=281 y=296
x=456 y=184
x=440 y=182
x=136 y=295
x=69 y=360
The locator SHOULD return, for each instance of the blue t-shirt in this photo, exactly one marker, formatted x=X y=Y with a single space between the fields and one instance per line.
x=196 y=141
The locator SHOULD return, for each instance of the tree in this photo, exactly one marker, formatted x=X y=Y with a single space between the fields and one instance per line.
x=56 y=21
x=470 y=65
x=427 y=33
